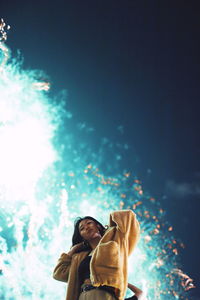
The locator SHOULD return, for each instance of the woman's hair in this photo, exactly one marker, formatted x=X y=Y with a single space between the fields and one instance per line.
x=77 y=238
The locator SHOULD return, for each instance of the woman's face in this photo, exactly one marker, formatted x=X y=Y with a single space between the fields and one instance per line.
x=89 y=230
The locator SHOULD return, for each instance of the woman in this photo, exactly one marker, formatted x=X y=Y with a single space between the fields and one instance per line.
x=96 y=265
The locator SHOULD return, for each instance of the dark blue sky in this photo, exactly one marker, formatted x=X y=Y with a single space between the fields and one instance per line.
x=129 y=63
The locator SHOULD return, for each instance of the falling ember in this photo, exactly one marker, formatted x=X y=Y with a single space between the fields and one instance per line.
x=186 y=281
x=42 y=86
x=3 y=38
x=3 y=30
x=47 y=180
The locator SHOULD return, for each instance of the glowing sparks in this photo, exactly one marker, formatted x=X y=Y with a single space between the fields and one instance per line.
x=3 y=38
x=45 y=184
x=42 y=86
x=3 y=30
x=186 y=282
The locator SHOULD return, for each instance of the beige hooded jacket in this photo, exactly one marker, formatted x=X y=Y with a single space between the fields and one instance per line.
x=109 y=261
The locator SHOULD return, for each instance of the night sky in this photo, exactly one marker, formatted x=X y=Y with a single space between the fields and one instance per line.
x=133 y=64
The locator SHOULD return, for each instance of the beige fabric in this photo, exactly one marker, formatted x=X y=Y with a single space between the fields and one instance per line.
x=96 y=295
x=109 y=263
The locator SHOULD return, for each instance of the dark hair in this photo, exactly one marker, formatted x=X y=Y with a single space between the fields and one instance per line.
x=77 y=238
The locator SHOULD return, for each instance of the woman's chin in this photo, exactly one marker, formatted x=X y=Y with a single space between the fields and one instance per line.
x=95 y=236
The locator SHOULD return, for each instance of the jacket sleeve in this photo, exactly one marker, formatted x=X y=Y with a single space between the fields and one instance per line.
x=127 y=223
x=61 y=271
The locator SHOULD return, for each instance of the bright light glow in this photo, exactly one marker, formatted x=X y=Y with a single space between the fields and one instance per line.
x=45 y=185
x=25 y=152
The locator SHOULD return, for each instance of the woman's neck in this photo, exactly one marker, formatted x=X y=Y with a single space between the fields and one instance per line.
x=94 y=242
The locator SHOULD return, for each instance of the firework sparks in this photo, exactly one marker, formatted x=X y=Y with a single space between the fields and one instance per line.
x=41 y=86
x=46 y=181
x=3 y=38
x=186 y=282
x=3 y=30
